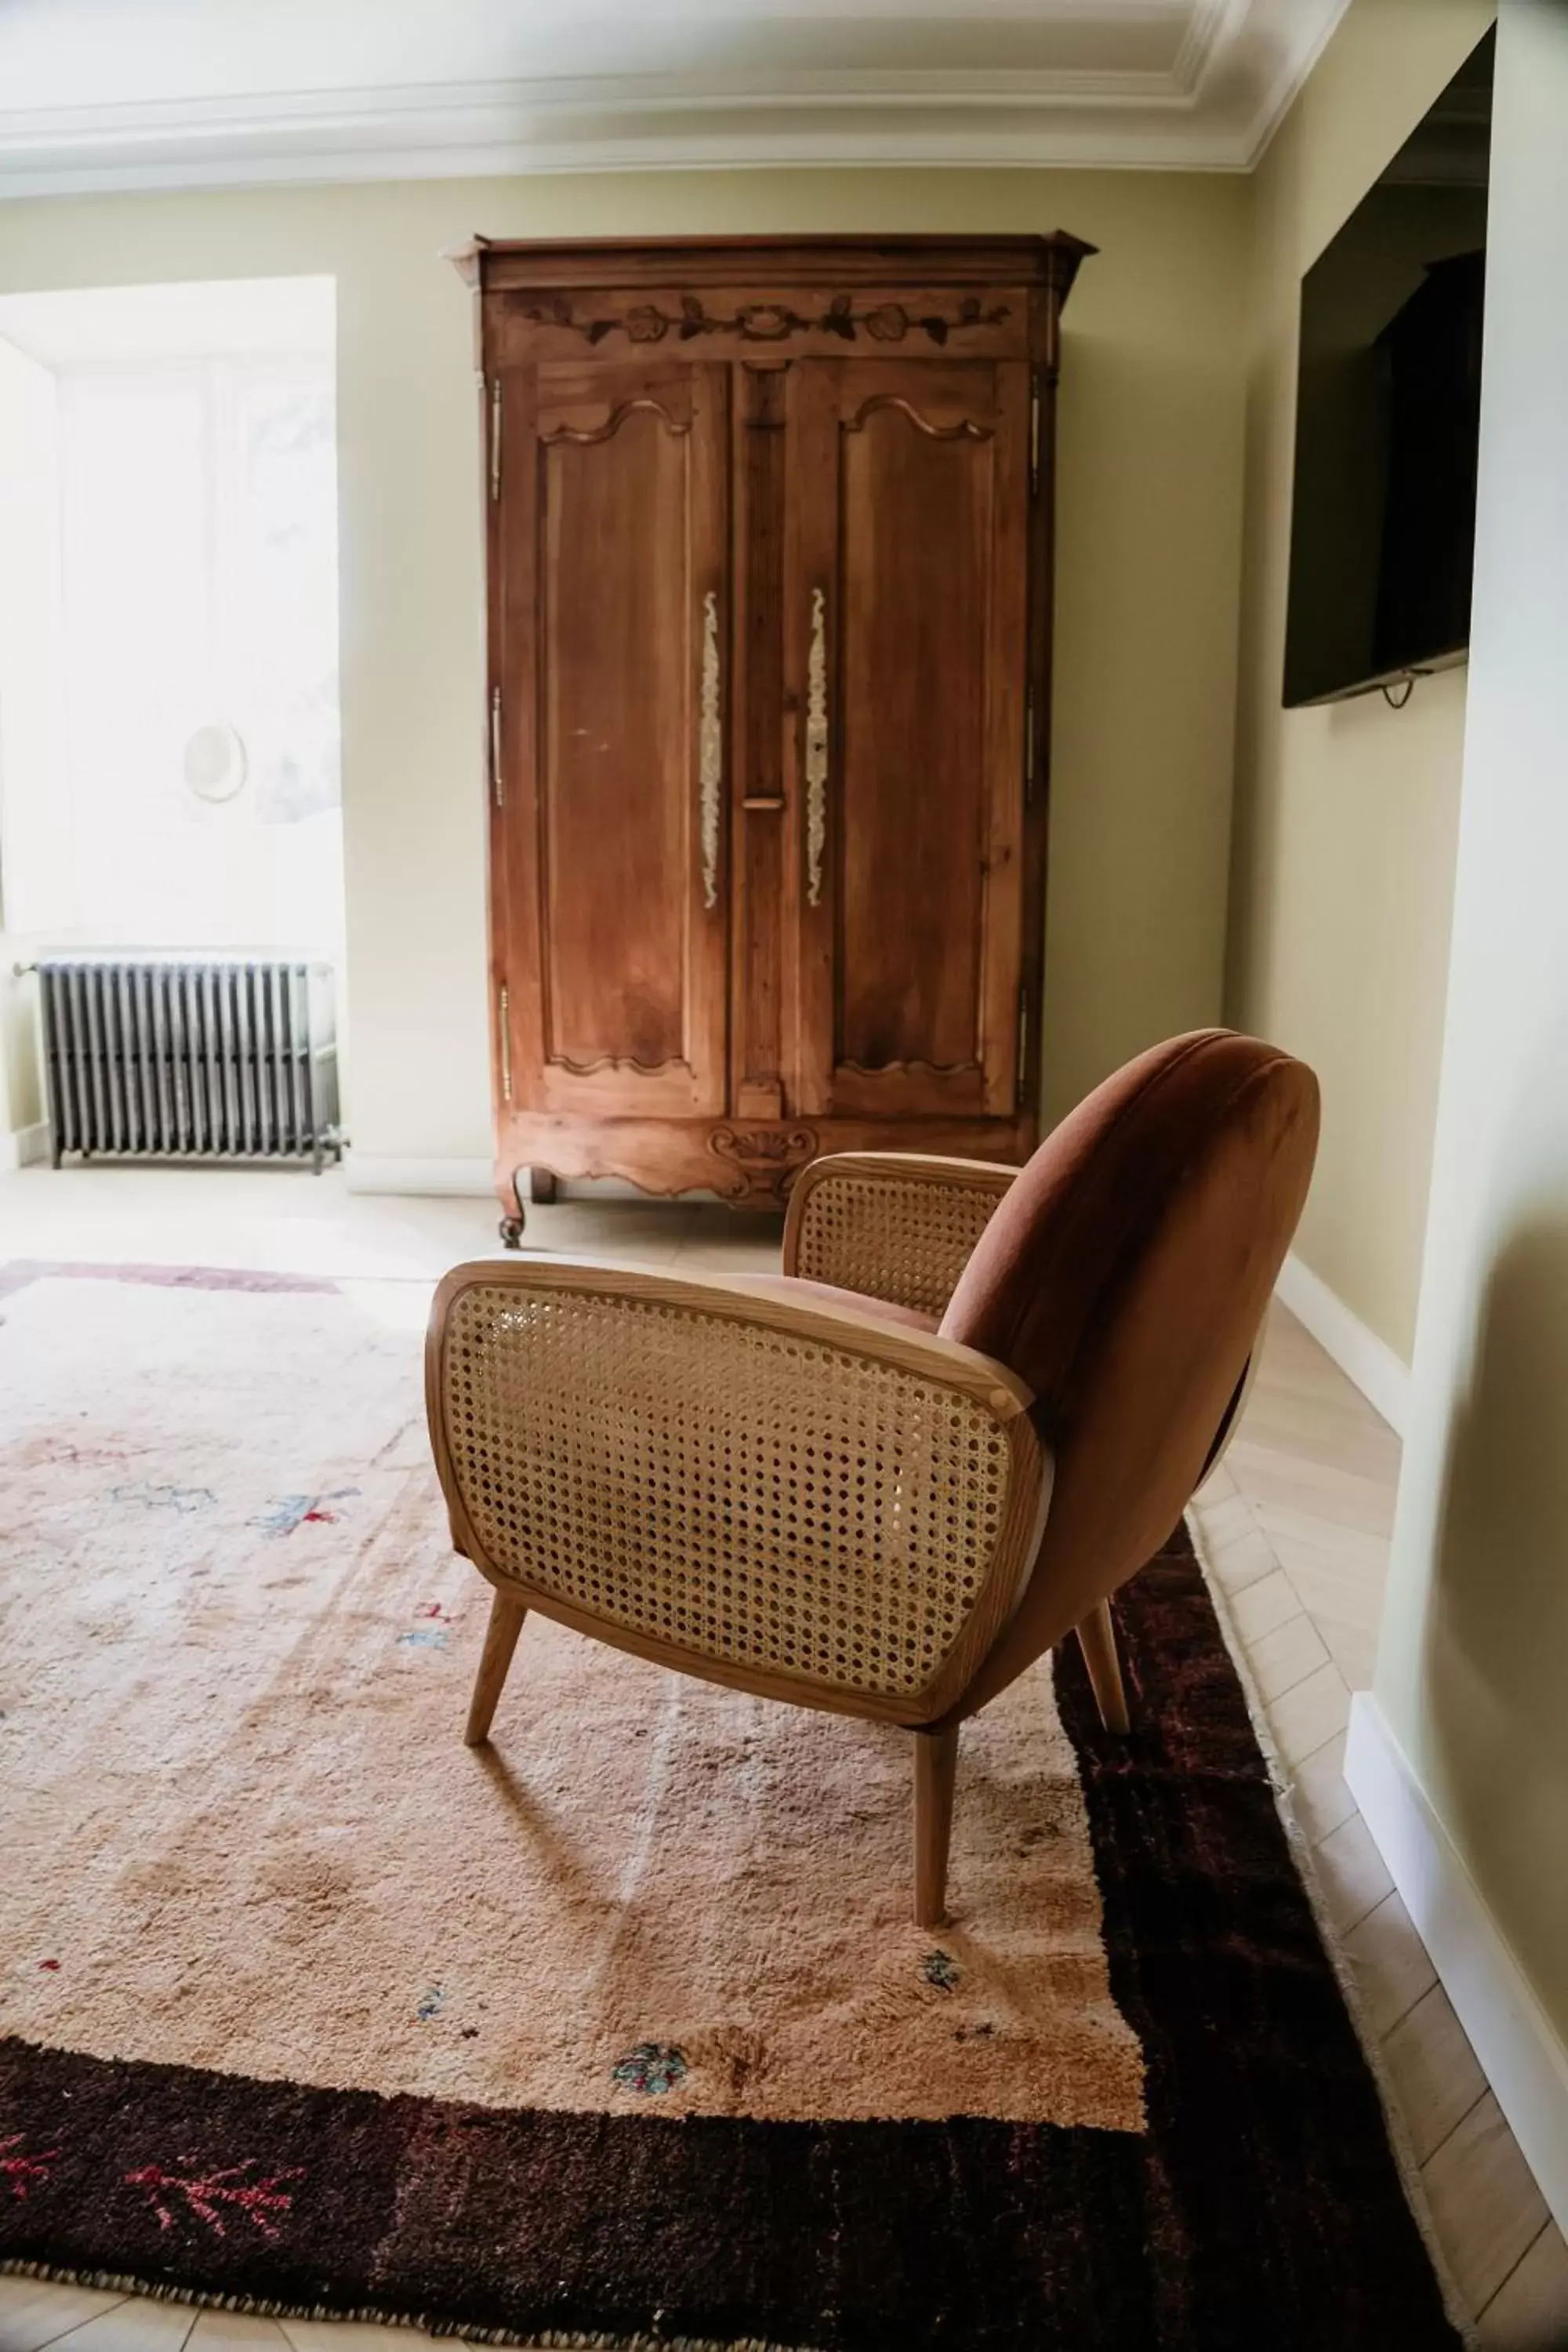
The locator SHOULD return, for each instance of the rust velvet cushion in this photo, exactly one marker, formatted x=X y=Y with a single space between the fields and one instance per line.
x=1125 y=1276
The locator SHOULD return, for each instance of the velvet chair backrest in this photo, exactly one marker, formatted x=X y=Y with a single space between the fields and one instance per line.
x=1125 y=1276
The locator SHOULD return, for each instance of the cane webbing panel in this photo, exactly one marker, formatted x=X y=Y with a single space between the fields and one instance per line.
x=747 y=1494
x=903 y=1238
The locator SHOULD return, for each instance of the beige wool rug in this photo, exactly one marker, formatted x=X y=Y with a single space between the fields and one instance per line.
x=243 y=1832
x=617 y=2033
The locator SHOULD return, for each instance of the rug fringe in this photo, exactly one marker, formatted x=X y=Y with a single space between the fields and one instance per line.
x=549 y=2339
x=1399 y=2139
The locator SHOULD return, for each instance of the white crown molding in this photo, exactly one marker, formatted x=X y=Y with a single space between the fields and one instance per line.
x=1237 y=66
x=1212 y=25
x=1312 y=24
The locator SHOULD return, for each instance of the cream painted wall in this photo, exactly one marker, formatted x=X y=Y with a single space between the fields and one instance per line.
x=31 y=680
x=1345 y=817
x=1150 y=503
x=1470 y=1674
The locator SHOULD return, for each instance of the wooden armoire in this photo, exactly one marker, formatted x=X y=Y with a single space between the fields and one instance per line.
x=769 y=631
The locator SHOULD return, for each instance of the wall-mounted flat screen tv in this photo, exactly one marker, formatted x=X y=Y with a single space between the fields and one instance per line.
x=1387 y=413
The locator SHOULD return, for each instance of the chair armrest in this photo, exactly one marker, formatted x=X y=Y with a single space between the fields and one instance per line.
x=898 y=1225
x=794 y=1497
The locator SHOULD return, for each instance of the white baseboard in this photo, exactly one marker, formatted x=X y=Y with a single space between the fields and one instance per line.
x=462 y=1179
x=1522 y=2054
x=1382 y=1377
x=24 y=1146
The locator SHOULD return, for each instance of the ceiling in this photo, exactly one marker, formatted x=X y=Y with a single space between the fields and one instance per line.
x=99 y=95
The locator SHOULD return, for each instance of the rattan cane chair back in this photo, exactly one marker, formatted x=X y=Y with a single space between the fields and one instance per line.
x=890 y=1224
x=826 y=1505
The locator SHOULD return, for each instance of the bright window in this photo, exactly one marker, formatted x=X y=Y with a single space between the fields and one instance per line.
x=192 y=796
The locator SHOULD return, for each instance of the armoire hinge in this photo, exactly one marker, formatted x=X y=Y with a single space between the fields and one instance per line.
x=495 y=437
x=1030 y=743
x=1022 y=1039
x=498 y=791
x=503 y=1010
x=1034 y=436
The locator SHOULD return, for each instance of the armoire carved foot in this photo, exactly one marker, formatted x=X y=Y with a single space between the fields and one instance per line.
x=510 y=1228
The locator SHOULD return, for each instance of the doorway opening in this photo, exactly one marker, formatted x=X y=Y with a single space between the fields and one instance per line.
x=169 y=772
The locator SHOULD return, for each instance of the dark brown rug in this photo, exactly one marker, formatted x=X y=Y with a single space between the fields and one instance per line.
x=1262 y=2205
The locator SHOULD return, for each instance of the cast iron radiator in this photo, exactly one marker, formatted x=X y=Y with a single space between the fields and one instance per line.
x=184 y=1056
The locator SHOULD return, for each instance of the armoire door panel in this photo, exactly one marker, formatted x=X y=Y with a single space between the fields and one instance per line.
x=908 y=596
x=621 y=491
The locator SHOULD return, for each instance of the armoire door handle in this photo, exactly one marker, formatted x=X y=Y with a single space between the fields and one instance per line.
x=816 y=748
x=503 y=1024
x=709 y=751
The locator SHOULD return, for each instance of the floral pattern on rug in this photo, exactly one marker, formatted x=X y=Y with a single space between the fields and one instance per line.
x=652 y=2068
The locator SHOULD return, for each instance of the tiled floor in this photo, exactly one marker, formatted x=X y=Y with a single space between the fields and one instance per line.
x=1296 y=1526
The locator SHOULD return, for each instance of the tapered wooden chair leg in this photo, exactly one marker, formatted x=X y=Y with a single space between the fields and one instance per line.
x=1097 y=1640
x=936 y=1758
x=500 y=1640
